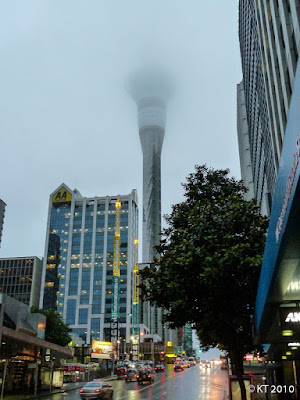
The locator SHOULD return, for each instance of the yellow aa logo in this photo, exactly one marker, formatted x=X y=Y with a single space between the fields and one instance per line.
x=62 y=196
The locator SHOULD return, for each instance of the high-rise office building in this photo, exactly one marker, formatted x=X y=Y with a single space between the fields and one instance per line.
x=270 y=43
x=269 y=34
x=151 y=90
x=78 y=263
x=264 y=160
x=20 y=278
x=2 y=211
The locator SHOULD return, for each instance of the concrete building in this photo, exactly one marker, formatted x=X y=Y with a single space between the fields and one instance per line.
x=2 y=211
x=78 y=263
x=20 y=278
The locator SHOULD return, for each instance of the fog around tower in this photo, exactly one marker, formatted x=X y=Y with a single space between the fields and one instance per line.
x=66 y=114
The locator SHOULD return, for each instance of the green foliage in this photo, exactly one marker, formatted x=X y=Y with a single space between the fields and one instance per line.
x=210 y=260
x=56 y=330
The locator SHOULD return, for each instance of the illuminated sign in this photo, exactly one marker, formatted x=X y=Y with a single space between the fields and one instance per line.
x=296 y=344
x=169 y=344
x=101 y=349
x=293 y=317
x=289 y=186
x=62 y=196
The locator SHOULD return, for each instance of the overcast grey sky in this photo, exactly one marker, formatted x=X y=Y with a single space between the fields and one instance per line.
x=65 y=115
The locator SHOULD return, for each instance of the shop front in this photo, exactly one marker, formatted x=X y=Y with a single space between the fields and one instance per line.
x=277 y=311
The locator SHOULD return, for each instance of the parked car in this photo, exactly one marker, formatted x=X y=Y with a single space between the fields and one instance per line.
x=130 y=375
x=145 y=375
x=159 y=367
x=96 y=389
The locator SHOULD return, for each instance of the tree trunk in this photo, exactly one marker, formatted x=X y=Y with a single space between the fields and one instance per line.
x=237 y=360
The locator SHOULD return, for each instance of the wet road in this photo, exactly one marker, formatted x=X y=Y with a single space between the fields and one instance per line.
x=191 y=384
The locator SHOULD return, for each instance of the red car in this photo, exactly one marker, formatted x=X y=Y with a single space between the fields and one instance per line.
x=121 y=372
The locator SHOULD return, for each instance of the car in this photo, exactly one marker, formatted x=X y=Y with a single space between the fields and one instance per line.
x=96 y=389
x=144 y=375
x=159 y=367
x=130 y=375
x=192 y=361
x=178 y=366
x=121 y=372
x=185 y=364
x=206 y=364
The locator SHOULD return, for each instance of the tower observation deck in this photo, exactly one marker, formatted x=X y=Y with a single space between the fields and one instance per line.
x=151 y=89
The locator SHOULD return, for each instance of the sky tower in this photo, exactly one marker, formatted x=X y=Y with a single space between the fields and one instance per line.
x=151 y=89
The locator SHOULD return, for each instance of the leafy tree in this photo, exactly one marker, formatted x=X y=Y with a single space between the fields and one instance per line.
x=56 y=330
x=209 y=265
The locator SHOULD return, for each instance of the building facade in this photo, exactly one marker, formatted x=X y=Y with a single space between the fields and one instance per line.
x=20 y=278
x=78 y=263
x=2 y=211
x=264 y=159
x=269 y=33
x=243 y=140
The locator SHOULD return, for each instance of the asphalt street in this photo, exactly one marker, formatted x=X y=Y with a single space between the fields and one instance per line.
x=190 y=384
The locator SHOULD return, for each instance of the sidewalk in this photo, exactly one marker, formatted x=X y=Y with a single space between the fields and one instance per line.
x=66 y=387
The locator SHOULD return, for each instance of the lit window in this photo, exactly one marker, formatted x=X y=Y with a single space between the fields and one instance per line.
x=49 y=284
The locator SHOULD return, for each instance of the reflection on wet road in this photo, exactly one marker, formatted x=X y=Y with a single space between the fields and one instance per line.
x=191 y=384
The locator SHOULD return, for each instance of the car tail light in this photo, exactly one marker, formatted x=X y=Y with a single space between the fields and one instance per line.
x=135 y=375
x=98 y=390
x=149 y=376
x=81 y=391
x=125 y=375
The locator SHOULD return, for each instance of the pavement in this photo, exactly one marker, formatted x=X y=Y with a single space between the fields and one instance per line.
x=66 y=388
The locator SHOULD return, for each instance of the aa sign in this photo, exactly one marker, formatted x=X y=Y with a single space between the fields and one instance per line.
x=62 y=196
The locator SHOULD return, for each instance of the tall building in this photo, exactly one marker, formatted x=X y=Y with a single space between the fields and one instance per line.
x=270 y=43
x=20 y=278
x=78 y=263
x=151 y=90
x=2 y=211
x=264 y=158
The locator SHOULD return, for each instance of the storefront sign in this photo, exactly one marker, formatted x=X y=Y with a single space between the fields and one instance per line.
x=289 y=316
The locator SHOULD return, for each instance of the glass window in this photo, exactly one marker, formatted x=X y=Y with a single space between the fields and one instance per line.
x=95 y=328
x=71 y=310
x=83 y=316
